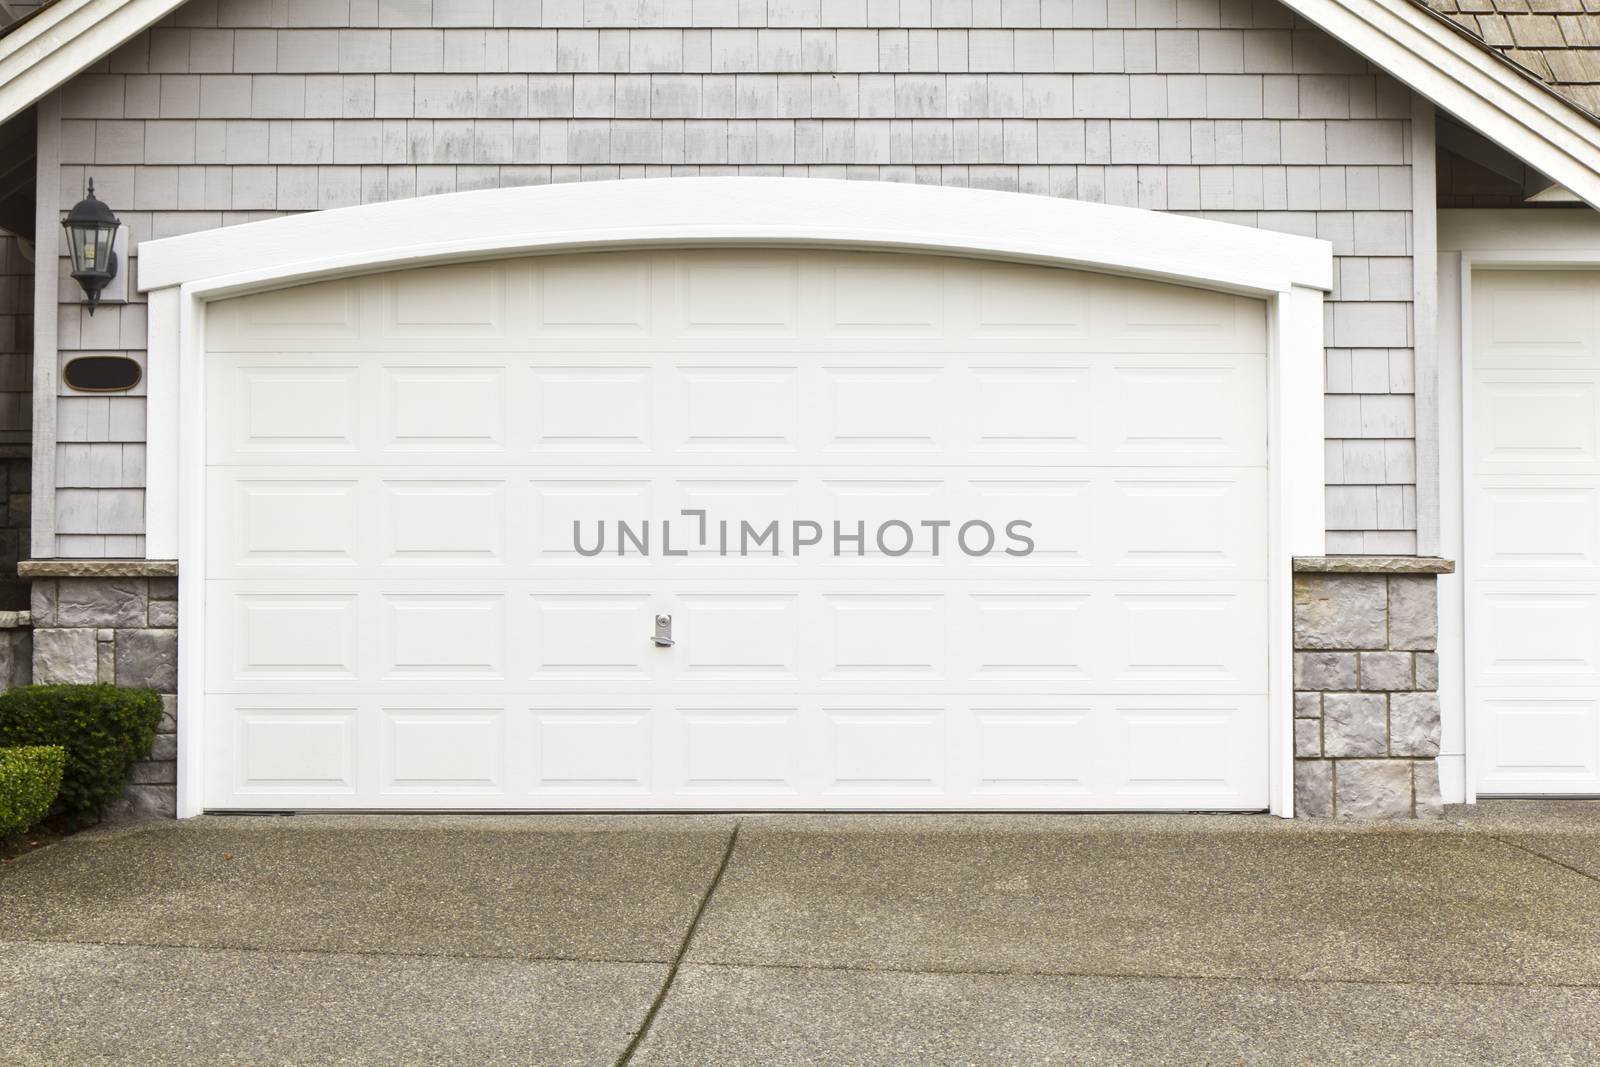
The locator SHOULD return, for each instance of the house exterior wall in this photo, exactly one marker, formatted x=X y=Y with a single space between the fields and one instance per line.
x=236 y=110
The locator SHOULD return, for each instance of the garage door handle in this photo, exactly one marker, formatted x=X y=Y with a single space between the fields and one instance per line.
x=663 y=635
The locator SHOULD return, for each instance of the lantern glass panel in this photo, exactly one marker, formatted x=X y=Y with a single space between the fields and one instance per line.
x=91 y=246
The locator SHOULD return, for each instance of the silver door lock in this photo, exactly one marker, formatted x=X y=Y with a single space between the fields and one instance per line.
x=663 y=636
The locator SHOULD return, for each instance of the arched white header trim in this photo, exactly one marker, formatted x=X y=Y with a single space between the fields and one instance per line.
x=787 y=211
x=184 y=273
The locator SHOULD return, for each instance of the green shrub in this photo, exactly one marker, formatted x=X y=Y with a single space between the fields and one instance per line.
x=29 y=779
x=104 y=729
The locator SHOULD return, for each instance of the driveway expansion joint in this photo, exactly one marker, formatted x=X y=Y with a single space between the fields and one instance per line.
x=683 y=950
x=1579 y=871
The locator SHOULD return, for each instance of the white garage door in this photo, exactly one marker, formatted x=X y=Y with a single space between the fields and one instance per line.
x=1533 y=533
x=398 y=615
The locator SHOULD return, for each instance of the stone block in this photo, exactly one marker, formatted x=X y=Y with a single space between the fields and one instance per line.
x=148 y=658
x=155 y=772
x=1425 y=784
x=1372 y=789
x=1427 y=670
x=1413 y=612
x=1307 y=737
x=21 y=643
x=1387 y=671
x=163 y=613
x=105 y=669
x=147 y=801
x=1340 y=611
x=1414 y=724
x=1313 y=788
x=43 y=602
x=63 y=656
x=165 y=747
x=163 y=589
x=1308 y=705
x=102 y=602
x=1325 y=670
x=169 y=714
x=1354 y=724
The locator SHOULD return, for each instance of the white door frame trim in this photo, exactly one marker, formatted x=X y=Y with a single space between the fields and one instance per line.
x=184 y=273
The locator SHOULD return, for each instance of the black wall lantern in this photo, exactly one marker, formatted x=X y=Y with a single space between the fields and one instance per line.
x=91 y=231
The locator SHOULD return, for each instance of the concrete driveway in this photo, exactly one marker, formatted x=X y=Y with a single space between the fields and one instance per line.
x=773 y=940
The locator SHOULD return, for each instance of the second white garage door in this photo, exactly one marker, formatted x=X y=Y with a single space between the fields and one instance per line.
x=1533 y=533
x=397 y=615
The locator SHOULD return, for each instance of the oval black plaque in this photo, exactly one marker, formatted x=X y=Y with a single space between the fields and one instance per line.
x=102 y=374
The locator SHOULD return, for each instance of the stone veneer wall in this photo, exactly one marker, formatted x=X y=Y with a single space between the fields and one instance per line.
x=1366 y=675
x=115 y=622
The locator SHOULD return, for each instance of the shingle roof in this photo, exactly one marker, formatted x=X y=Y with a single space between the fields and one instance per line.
x=1556 y=40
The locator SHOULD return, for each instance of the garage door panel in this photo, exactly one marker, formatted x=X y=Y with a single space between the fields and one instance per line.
x=803 y=634
x=399 y=615
x=433 y=636
x=1540 y=741
x=737 y=750
x=277 y=634
x=1537 y=633
x=860 y=407
x=259 y=750
x=716 y=409
x=884 y=296
x=466 y=301
x=588 y=409
x=445 y=409
x=430 y=521
x=312 y=522
x=1190 y=318
x=1193 y=638
x=443 y=748
x=596 y=298
x=287 y=405
x=599 y=752
x=1536 y=526
x=1536 y=319
x=327 y=314
x=731 y=751
x=1536 y=422
x=695 y=301
x=453 y=523
x=1188 y=748
x=1162 y=408
x=1533 y=538
x=590 y=636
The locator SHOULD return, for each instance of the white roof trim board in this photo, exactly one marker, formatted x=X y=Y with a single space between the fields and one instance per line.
x=1505 y=104
x=1414 y=45
x=46 y=49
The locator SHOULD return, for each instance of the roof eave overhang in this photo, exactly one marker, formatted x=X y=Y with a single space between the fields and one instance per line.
x=1528 y=120
x=56 y=42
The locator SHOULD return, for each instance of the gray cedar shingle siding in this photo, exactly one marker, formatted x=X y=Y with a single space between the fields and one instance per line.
x=234 y=110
